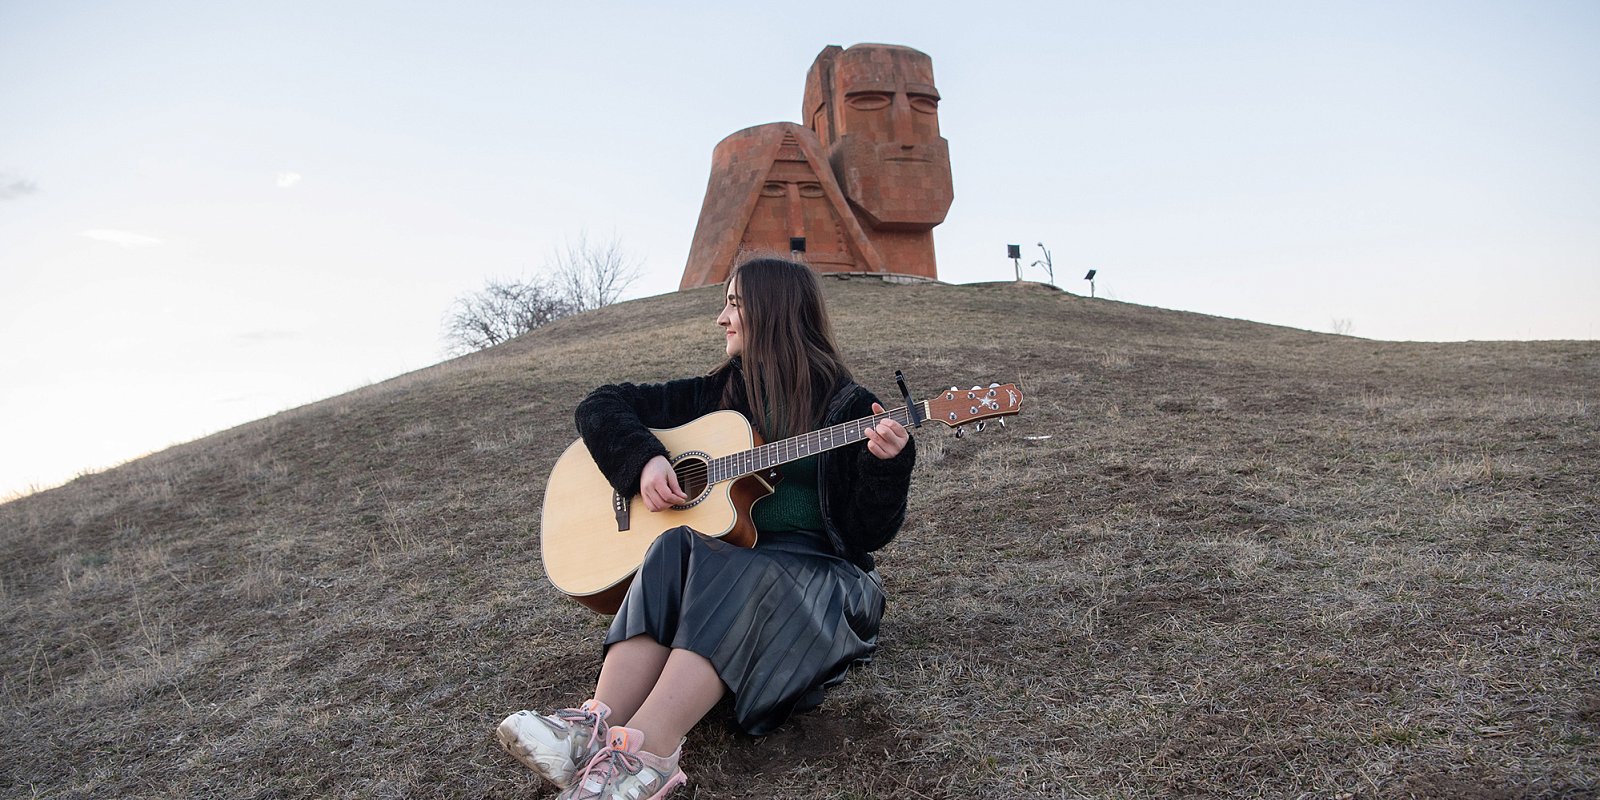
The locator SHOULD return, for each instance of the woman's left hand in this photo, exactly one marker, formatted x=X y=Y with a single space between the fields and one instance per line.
x=886 y=439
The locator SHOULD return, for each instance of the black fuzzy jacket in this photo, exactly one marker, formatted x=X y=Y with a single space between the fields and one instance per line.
x=863 y=497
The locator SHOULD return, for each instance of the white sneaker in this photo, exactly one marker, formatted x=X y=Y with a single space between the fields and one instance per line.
x=558 y=744
x=622 y=771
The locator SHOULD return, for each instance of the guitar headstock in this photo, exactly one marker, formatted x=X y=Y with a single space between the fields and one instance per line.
x=956 y=407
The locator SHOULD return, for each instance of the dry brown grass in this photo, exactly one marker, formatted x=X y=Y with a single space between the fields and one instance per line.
x=1248 y=561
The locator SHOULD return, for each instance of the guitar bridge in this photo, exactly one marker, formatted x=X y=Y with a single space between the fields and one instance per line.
x=619 y=506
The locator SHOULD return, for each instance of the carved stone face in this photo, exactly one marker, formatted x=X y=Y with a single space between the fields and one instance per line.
x=771 y=184
x=876 y=108
x=794 y=203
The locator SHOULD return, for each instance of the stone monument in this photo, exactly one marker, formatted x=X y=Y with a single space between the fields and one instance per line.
x=858 y=189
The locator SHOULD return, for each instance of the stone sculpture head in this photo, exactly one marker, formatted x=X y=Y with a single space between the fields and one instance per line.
x=875 y=109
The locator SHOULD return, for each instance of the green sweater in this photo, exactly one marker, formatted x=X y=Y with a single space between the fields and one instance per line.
x=795 y=505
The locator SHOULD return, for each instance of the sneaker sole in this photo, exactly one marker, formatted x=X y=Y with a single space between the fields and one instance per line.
x=672 y=785
x=509 y=743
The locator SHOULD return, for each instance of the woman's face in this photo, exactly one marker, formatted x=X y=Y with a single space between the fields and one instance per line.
x=732 y=324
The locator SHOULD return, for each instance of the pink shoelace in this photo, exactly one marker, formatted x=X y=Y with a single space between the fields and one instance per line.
x=605 y=764
x=586 y=713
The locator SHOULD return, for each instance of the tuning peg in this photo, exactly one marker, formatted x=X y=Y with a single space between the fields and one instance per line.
x=982 y=423
x=994 y=385
x=1002 y=421
x=960 y=429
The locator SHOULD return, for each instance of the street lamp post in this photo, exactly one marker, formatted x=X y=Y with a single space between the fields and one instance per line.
x=1048 y=267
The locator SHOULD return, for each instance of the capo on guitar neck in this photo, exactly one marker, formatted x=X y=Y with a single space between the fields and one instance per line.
x=911 y=407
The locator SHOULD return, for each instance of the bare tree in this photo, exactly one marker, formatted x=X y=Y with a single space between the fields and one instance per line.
x=502 y=310
x=580 y=277
x=591 y=275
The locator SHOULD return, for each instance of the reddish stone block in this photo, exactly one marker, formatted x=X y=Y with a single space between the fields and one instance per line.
x=770 y=184
x=864 y=183
x=875 y=108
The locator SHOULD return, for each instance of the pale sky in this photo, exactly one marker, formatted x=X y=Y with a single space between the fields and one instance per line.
x=214 y=211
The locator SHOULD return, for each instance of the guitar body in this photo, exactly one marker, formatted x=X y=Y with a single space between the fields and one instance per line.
x=589 y=559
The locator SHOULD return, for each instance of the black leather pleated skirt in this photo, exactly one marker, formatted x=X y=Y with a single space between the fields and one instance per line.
x=781 y=622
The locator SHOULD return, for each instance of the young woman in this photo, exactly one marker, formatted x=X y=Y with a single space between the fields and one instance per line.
x=774 y=624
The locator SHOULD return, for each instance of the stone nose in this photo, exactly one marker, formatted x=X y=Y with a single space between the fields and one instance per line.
x=902 y=117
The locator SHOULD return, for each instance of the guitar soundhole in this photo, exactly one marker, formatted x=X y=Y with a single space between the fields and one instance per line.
x=693 y=477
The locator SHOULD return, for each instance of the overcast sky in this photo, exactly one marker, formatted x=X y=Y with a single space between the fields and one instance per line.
x=213 y=211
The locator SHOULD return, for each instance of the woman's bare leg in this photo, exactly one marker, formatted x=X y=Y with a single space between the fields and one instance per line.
x=631 y=669
x=687 y=689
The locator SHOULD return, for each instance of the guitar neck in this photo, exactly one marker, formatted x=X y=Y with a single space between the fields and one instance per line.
x=767 y=456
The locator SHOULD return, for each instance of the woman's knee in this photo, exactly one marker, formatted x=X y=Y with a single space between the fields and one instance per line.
x=672 y=546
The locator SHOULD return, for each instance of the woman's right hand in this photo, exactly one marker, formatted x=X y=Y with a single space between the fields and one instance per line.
x=658 y=485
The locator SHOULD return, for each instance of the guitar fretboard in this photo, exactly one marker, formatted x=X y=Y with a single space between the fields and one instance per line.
x=767 y=456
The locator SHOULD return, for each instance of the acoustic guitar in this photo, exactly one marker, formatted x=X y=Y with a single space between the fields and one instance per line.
x=593 y=539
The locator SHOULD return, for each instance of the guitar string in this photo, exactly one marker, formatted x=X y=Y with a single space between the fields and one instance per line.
x=701 y=468
x=756 y=459
x=775 y=453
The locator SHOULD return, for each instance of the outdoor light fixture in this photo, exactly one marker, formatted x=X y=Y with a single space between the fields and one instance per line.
x=1049 y=267
x=1014 y=252
x=1090 y=279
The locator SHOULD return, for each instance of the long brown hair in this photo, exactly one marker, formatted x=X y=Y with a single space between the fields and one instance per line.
x=791 y=364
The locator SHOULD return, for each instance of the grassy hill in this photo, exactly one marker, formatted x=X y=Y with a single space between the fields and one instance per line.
x=1211 y=558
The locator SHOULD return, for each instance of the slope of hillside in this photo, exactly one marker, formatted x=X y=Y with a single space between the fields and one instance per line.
x=1211 y=558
